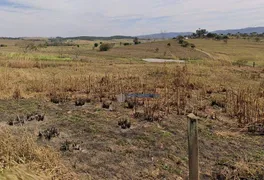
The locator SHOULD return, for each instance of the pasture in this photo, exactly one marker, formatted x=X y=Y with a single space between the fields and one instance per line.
x=75 y=88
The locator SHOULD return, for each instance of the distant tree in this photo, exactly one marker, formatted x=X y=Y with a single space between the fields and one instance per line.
x=211 y=35
x=201 y=32
x=225 y=37
x=105 y=47
x=136 y=40
x=96 y=45
x=180 y=37
x=194 y=35
x=218 y=37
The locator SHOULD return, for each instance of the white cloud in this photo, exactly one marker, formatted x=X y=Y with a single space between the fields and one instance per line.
x=110 y=17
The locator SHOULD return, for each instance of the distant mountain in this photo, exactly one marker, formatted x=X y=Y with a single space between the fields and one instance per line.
x=248 y=30
x=164 y=35
x=170 y=35
x=91 y=38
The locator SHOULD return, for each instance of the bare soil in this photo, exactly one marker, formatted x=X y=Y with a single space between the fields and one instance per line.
x=147 y=150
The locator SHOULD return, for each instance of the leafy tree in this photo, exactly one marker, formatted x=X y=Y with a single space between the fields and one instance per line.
x=201 y=32
x=225 y=37
x=211 y=35
x=180 y=37
x=136 y=40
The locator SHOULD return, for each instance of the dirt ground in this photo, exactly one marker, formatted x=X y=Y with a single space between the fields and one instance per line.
x=148 y=150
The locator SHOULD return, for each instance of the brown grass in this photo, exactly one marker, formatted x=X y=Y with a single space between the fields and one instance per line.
x=20 y=150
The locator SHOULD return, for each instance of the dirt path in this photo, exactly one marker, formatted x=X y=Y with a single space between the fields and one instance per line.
x=208 y=54
x=163 y=60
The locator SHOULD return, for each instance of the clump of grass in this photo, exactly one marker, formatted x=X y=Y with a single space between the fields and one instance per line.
x=22 y=150
x=17 y=94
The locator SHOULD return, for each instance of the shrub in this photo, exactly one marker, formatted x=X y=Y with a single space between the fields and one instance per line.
x=3 y=45
x=240 y=62
x=126 y=44
x=169 y=44
x=105 y=47
x=181 y=41
x=96 y=44
x=192 y=46
x=185 y=44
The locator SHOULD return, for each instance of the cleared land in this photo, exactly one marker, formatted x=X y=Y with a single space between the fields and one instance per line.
x=225 y=91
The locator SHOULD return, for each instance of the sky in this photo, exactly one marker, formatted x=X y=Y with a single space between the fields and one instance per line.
x=51 y=18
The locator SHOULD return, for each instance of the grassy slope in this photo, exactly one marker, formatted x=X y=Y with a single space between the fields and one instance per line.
x=235 y=49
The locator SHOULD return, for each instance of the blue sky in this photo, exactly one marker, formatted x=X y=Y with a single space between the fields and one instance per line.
x=126 y=17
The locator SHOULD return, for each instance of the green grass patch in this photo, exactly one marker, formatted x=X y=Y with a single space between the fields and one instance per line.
x=23 y=56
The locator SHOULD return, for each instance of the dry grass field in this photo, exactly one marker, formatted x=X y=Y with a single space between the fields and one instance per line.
x=82 y=136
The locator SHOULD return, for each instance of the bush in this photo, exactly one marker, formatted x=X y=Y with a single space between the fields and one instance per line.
x=169 y=44
x=105 y=47
x=185 y=44
x=3 y=45
x=240 y=62
x=126 y=44
x=181 y=41
x=96 y=44
x=192 y=46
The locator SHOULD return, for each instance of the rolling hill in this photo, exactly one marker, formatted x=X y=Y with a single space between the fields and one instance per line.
x=169 y=35
x=248 y=30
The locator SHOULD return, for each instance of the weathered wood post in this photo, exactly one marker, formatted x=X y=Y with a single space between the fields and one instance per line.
x=193 y=148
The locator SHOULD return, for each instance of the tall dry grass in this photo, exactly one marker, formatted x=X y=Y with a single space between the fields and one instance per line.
x=20 y=150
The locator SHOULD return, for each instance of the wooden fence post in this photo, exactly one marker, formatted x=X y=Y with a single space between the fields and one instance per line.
x=193 y=148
